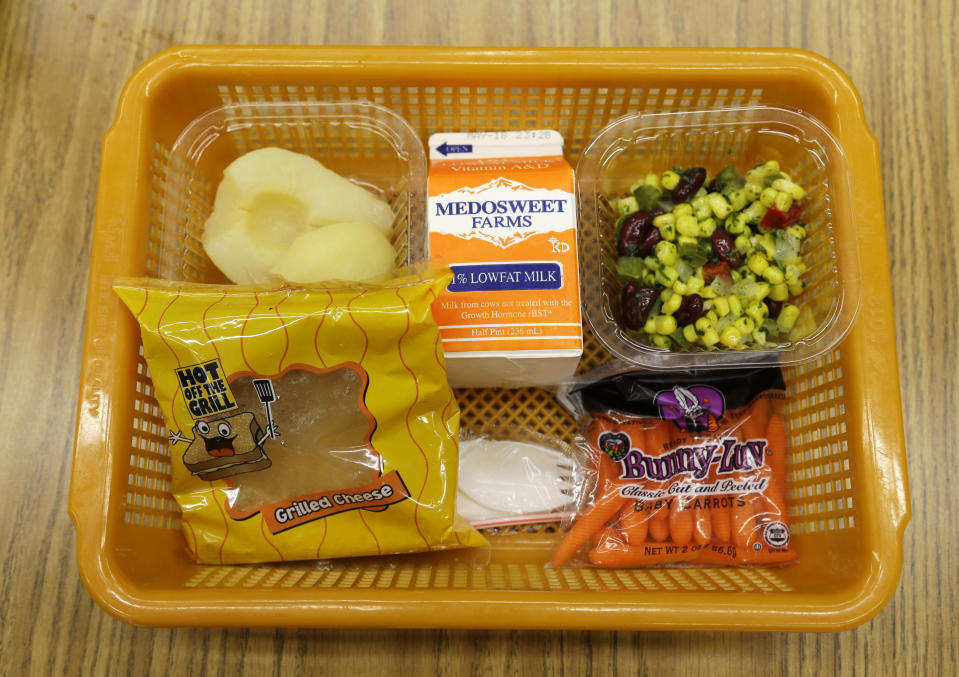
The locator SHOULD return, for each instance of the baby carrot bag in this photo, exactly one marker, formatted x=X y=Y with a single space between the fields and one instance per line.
x=689 y=467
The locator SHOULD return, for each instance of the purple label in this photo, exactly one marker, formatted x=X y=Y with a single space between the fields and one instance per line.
x=693 y=408
x=506 y=277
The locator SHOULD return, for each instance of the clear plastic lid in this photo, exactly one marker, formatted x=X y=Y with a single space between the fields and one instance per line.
x=634 y=146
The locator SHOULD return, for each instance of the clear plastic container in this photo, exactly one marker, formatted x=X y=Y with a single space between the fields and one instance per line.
x=368 y=144
x=635 y=145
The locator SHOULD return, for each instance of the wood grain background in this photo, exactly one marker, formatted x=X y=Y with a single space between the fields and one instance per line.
x=62 y=66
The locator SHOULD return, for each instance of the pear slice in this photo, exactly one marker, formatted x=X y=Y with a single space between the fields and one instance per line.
x=352 y=252
x=270 y=197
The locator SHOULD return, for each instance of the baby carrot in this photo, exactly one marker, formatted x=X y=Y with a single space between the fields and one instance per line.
x=659 y=529
x=720 y=518
x=680 y=522
x=610 y=537
x=702 y=526
x=594 y=519
x=634 y=523
x=744 y=520
x=776 y=492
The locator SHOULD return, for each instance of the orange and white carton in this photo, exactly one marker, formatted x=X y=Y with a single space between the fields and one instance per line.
x=502 y=215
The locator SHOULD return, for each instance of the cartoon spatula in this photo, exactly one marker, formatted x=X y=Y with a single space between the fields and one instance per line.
x=264 y=391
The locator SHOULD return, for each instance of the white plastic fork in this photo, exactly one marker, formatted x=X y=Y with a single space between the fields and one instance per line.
x=506 y=478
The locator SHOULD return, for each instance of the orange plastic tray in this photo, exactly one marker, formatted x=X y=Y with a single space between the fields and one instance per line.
x=849 y=501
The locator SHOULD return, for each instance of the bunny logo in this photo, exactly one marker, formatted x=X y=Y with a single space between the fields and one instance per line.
x=694 y=409
x=615 y=445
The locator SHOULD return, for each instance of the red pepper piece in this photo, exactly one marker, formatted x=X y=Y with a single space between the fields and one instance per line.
x=775 y=218
x=720 y=270
x=792 y=216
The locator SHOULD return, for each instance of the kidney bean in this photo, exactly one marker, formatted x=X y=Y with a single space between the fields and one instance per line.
x=637 y=300
x=690 y=310
x=649 y=241
x=631 y=233
x=688 y=185
x=724 y=246
x=775 y=307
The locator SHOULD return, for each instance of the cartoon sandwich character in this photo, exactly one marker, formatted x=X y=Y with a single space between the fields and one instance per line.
x=230 y=445
x=225 y=447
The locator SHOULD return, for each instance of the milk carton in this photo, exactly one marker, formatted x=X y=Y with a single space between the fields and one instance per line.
x=501 y=214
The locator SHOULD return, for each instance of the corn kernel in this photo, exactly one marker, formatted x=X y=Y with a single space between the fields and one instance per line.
x=722 y=306
x=730 y=337
x=783 y=201
x=650 y=326
x=795 y=270
x=757 y=312
x=686 y=239
x=666 y=252
x=710 y=337
x=708 y=293
x=666 y=223
x=787 y=318
x=768 y=197
x=737 y=224
x=797 y=231
x=779 y=292
x=701 y=208
x=651 y=262
x=680 y=287
x=753 y=190
x=686 y=224
x=719 y=205
x=795 y=287
x=627 y=205
x=666 y=275
x=712 y=317
x=665 y=324
x=707 y=227
x=795 y=191
x=737 y=199
x=672 y=305
x=653 y=180
x=770 y=166
x=757 y=263
x=703 y=324
x=735 y=306
x=689 y=333
x=745 y=325
x=743 y=244
x=661 y=341
x=754 y=212
x=774 y=275
x=664 y=219
x=763 y=290
x=670 y=179
x=682 y=209
x=695 y=284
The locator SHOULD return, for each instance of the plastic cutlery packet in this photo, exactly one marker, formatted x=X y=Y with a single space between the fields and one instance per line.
x=304 y=423
x=686 y=467
x=510 y=478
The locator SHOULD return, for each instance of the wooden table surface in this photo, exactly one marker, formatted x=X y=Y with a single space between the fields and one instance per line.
x=62 y=65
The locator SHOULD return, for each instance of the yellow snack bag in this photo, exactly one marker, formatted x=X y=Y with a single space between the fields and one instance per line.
x=304 y=423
